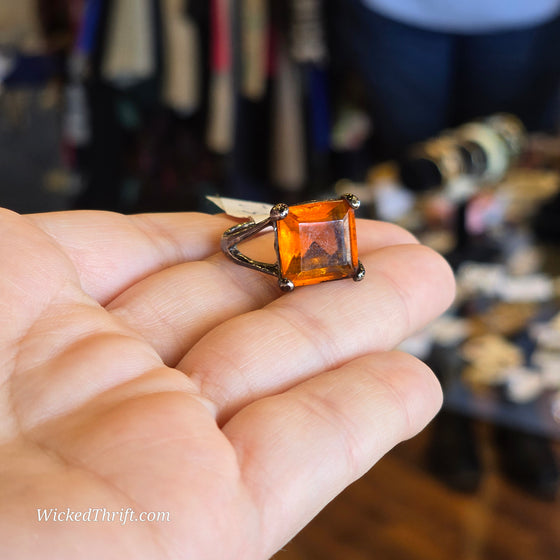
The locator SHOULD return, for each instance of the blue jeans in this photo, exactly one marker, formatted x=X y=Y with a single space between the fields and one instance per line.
x=419 y=82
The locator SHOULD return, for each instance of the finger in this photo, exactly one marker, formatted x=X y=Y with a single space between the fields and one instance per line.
x=34 y=272
x=320 y=327
x=47 y=319
x=174 y=308
x=111 y=251
x=299 y=449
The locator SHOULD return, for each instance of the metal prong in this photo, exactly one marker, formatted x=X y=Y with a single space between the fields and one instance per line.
x=360 y=272
x=285 y=284
x=279 y=211
x=352 y=200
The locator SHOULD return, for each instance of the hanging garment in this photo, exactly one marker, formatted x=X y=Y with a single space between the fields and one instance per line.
x=76 y=119
x=288 y=158
x=88 y=31
x=182 y=58
x=130 y=53
x=221 y=104
x=308 y=48
x=20 y=26
x=254 y=49
x=76 y=14
x=319 y=107
x=307 y=31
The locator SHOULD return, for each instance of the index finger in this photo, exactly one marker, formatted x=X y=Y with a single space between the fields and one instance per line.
x=111 y=252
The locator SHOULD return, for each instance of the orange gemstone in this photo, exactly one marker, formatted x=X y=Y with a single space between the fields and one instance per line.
x=317 y=242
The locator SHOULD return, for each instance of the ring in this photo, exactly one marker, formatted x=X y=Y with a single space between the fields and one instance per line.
x=314 y=242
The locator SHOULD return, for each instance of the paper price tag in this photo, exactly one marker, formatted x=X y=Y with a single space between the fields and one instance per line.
x=257 y=211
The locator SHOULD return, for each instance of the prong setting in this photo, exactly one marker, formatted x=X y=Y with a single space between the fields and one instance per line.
x=286 y=285
x=352 y=200
x=279 y=211
x=360 y=272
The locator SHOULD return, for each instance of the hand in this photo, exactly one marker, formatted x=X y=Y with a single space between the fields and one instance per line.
x=142 y=369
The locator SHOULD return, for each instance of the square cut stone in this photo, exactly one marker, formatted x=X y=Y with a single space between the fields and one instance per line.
x=317 y=242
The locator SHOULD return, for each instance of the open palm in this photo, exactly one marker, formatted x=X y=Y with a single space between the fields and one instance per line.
x=142 y=370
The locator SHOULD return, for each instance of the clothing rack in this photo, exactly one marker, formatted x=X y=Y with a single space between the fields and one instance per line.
x=175 y=99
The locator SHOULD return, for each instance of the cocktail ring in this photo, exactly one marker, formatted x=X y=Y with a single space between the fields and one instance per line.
x=314 y=242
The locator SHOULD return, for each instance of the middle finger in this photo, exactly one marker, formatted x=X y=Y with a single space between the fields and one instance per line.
x=177 y=306
x=318 y=328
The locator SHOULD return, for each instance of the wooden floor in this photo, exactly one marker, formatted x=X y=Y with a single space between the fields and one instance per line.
x=398 y=511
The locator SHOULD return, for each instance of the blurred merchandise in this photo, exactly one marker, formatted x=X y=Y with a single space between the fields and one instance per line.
x=497 y=351
x=481 y=150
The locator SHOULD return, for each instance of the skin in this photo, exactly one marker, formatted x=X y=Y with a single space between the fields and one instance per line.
x=143 y=369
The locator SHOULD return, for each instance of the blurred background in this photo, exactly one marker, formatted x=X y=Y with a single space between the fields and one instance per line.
x=442 y=116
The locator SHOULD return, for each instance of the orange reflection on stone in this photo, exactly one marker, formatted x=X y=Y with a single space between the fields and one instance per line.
x=317 y=242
